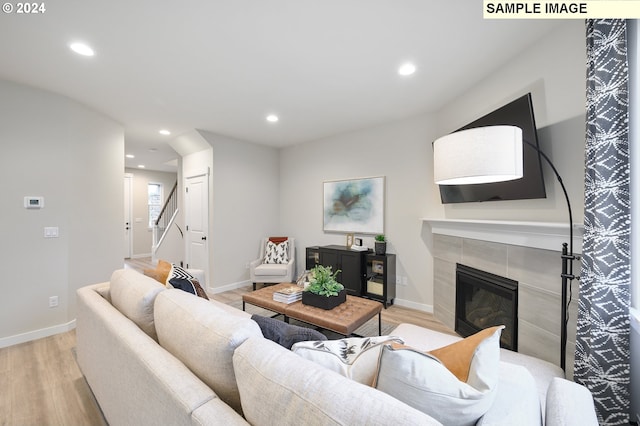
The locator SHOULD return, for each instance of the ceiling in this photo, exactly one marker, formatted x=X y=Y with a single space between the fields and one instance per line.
x=323 y=66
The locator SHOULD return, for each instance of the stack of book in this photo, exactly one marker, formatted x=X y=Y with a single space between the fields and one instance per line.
x=288 y=294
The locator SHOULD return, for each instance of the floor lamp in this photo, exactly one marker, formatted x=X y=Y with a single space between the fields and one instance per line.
x=494 y=154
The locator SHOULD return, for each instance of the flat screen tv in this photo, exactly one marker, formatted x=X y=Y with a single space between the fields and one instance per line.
x=517 y=113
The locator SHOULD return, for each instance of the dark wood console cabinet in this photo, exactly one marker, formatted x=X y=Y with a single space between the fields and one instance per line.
x=380 y=281
x=351 y=263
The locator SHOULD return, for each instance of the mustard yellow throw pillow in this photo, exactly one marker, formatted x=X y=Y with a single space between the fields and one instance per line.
x=160 y=274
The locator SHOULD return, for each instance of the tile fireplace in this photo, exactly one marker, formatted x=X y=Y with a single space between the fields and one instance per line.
x=484 y=300
x=524 y=252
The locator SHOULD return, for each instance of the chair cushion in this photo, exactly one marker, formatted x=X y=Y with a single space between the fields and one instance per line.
x=270 y=270
x=133 y=294
x=276 y=253
x=353 y=357
x=424 y=382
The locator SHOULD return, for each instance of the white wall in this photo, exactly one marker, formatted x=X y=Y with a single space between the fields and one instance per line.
x=245 y=207
x=142 y=234
x=73 y=157
x=552 y=69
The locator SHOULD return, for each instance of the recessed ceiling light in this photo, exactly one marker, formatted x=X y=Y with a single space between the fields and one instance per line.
x=130 y=156
x=141 y=166
x=82 y=49
x=164 y=132
x=407 y=69
x=272 y=118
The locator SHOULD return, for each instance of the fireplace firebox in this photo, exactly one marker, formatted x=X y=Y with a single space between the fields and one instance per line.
x=484 y=300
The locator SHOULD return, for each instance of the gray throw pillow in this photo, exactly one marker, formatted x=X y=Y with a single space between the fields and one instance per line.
x=285 y=334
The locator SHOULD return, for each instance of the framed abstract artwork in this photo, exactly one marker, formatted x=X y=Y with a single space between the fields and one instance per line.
x=354 y=205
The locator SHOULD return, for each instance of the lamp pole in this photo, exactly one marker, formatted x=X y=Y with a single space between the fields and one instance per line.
x=567 y=264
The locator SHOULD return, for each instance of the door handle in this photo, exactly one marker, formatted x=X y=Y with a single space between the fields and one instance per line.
x=204 y=238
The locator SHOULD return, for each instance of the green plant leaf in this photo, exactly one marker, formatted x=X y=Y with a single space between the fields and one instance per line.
x=323 y=281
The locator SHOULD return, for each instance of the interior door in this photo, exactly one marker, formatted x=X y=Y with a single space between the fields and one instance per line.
x=128 y=229
x=197 y=221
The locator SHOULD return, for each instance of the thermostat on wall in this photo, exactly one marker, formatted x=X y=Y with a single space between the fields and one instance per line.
x=33 y=202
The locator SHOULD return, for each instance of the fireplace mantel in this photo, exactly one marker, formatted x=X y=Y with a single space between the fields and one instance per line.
x=541 y=235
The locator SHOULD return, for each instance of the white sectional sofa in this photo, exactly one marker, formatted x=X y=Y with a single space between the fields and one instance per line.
x=153 y=355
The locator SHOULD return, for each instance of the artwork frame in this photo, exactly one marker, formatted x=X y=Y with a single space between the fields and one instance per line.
x=354 y=205
x=350 y=237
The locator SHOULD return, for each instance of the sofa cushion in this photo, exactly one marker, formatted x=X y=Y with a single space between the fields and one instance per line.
x=353 y=357
x=424 y=382
x=203 y=336
x=133 y=294
x=276 y=253
x=280 y=388
x=286 y=335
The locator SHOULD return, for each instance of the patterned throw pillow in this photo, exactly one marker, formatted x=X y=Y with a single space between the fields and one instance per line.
x=353 y=357
x=181 y=279
x=455 y=384
x=277 y=253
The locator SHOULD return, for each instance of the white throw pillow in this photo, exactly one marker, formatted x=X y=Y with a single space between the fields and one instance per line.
x=276 y=253
x=422 y=381
x=353 y=357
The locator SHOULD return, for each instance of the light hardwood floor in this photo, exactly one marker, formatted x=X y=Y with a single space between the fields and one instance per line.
x=41 y=384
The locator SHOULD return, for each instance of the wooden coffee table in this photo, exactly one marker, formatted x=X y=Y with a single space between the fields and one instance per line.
x=343 y=319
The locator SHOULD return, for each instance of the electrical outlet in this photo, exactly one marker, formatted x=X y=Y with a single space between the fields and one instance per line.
x=53 y=301
x=398 y=280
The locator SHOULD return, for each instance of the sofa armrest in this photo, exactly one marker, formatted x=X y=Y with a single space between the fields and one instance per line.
x=569 y=404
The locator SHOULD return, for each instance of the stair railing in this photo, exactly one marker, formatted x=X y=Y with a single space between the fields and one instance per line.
x=166 y=216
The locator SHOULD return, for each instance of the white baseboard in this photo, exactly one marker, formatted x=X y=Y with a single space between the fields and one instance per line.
x=140 y=256
x=37 y=334
x=413 y=305
x=228 y=287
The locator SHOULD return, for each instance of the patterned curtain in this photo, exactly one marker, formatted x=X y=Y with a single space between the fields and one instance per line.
x=602 y=361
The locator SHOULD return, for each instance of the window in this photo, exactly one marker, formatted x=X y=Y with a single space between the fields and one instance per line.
x=155 y=202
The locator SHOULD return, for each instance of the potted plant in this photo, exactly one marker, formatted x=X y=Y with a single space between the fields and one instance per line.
x=324 y=291
x=380 y=244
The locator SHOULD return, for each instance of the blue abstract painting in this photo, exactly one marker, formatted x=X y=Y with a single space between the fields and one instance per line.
x=355 y=205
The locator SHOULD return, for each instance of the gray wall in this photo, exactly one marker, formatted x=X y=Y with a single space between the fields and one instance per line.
x=73 y=157
x=245 y=192
x=400 y=152
x=553 y=70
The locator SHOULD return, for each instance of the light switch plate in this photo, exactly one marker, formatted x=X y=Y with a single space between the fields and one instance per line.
x=51 y=232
